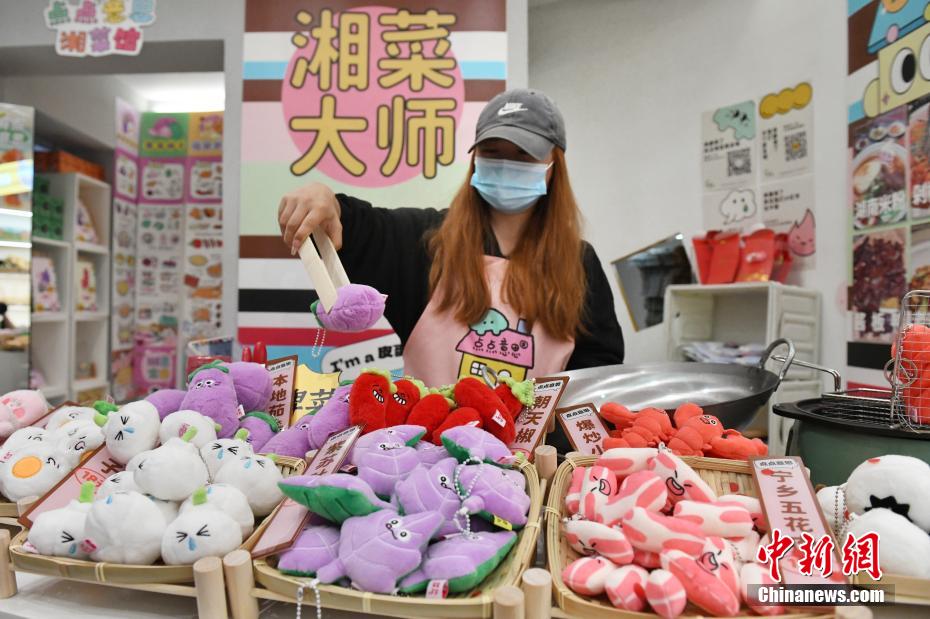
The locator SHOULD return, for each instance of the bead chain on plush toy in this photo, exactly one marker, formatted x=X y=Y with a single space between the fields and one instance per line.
x=839 y=528
x=318 y=340
x=313 y=584
x=466 y=529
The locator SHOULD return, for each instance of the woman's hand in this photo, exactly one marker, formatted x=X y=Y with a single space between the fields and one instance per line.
x=304 y=210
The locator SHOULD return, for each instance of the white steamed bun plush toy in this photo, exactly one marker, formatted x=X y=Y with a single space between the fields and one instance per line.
x=125 y=527
x=202 y=531
x=176 y=424
x=904 y=548
x=79 y=437
x=257 y=477
x=34 y=469
x=117 y=482
x=67 y=414
x=229 y=500
x=131 y=429
x=218 y=452
x=59 y=532
x=173 y=471
x=168 y=509
x=898 y=483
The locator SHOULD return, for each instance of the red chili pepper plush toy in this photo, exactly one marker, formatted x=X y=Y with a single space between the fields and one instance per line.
x=367 y=400
x=495 y=417
x=409 y=391
x=515 y=395
x=430 y=412
x=459 y=417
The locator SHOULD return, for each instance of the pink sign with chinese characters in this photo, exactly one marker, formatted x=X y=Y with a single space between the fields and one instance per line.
x=584 y=428
x=96 y=468
x=533 y=423
x=283 y=374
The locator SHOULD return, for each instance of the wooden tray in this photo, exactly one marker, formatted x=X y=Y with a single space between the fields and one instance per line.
x=283 y=588
x=724 y=476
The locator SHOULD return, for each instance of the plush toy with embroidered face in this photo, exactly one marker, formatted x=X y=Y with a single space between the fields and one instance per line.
x=495 y=417
x=177 y=423
x=332 y=417
x=229 y=500
x=467 y=442
x=131 y=429
x=59 y=532
x=587 y=538
x=79 y=437
x=166 y=401
x=898 y=483
x=29 y=435
x=430 y=453
x=368 y=400
x=398 y=406
x=493 y=495
x=198 y=533
x=702 y=585
x=377 y=550
x=383 y=468
x=20 y=409
x=67 y=414
x=335 y=497
x=681 y=480
x=462 y=560
x=118 y=482
x=173 y=471
x=33 y=470
x=257 y=477
x=252 y=383
x=218 y=452
x=211 y=392
x=125 y=527
x=261 y=428
x=384 y=439
x=653 y=532
x=294 y=441
x=431 y=489
x=316 y=546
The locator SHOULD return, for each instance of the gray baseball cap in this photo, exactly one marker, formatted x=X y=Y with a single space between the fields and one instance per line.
x=526 y=117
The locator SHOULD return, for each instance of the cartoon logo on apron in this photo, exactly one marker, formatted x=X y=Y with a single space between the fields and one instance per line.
x=492 y=343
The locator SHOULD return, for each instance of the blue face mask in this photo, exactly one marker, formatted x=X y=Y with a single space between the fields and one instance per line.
x=509 y=186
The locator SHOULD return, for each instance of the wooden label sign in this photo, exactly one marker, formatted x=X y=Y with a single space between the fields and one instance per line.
x=532 y=423
x=96 y=467
x=584 y=428
x=791 y=508
x=283 y=378
x=290 y=517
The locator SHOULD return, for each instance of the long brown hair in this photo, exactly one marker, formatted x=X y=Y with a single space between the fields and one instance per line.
x=545 y=281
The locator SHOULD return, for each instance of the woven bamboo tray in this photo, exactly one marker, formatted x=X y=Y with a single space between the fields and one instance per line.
x=159 y=577
x=724 y=476
x=283 y=588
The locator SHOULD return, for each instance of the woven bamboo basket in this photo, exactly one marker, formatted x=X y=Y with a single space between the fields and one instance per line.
x=159 y=577
x=283 y=588
x=724 y=476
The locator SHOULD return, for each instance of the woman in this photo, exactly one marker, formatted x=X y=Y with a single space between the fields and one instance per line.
x=502 y=278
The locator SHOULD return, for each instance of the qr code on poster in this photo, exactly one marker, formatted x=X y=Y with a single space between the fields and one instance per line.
x=796 y=146
x=739 y=162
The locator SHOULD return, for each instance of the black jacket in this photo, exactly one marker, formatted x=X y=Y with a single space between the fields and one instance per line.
x=386 y=249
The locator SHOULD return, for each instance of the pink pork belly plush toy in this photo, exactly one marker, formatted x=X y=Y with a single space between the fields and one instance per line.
x=587 y=575
x=753 y=505
x=587 y=538
x=657 y=533
x=646 y=559
x=718 y=558
x=624 y=461
x=666 y=594
x=597 y=484
x=682 y=481
x=626 y=587
x=642 y=489
x=720 y=518
x=702 y=585
x=755 y=574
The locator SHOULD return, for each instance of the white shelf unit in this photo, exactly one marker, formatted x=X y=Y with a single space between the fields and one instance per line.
x=752 y=313
x=63 y=340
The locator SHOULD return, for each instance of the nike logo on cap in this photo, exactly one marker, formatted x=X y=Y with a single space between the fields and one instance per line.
x=510 y=108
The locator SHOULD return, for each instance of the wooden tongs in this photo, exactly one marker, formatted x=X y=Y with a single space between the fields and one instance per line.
x=322 y=263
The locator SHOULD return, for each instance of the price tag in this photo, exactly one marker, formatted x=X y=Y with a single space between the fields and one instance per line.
x=533 y=422
x=584 y=428
x=503 y=524
x=437 y=589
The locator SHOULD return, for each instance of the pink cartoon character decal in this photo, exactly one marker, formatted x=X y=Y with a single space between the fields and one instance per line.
x=802 y=237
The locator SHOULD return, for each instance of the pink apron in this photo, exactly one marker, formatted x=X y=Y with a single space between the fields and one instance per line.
x=441 y=350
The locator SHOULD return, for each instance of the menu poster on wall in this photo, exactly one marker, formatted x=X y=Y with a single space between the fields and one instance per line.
x=728 y=136
x=878 y=283
x=878 y=183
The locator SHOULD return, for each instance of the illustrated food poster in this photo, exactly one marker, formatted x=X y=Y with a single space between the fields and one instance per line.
x=378 y=100
x=167 y=243
x=757 y=168
x=888 y=91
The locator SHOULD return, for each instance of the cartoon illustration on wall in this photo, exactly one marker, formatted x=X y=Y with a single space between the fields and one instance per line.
x=740 y=117
x=491 y=343
x=901 y=37
x=785 y=100
x=738 y=206
x=802 y=237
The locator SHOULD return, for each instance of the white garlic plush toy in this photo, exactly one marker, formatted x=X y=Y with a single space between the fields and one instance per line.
x=173 y=471
x=66 y=414
x=257 y=477
x=79 y=437
x=131 y=429
x=229 y=500
x=898 y=483
x=168 y=509
x=202 y=531
x=33 y=470
x=223 y=450
x=59 y=532
x=118 y=482
x=176 y=424
x=125 y=527
x=904 y=549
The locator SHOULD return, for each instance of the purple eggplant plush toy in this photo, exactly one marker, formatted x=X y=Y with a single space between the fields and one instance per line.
x=262 y=427
x=377 y=550
x=294 y=441
x=331 y=418
x=357 y=308
x=463 y=560
x=431 y=489
x=211 y=392
x=382 y=469
x=494 y=494
x=316 y=546
x=252 y=383
x=166 y=401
